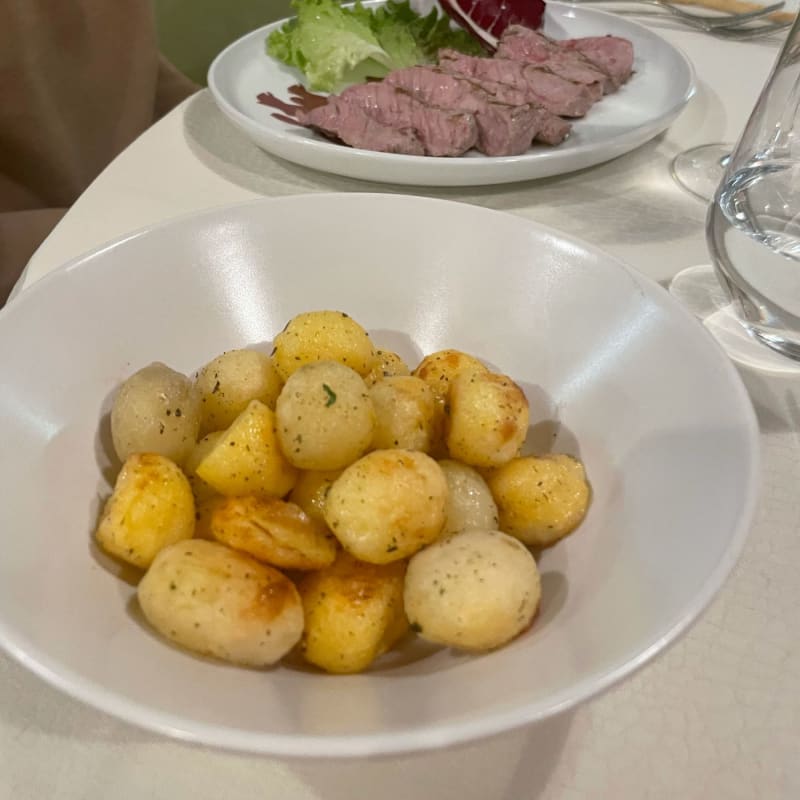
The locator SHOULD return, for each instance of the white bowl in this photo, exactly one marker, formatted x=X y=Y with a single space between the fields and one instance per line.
x=617 y=372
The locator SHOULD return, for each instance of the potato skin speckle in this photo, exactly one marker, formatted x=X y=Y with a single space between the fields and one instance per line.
x=219 y=602
x=474 y=591
x=387 y=505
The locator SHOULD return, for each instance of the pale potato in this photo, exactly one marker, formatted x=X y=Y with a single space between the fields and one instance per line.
x=228 y=383
x=325 y=416
x=405 y=414
x=273 y=531
x=215 y=601
x=353 y=613
x=323 y=336
x=247 y=458
x=440 y=368
x=487 y=419
x=151 y=507
x=387 y=505
x=200 y=489
x=540 y=499
x=475 y=590
x=311 y=491
x=470 y=504
x=387 y=364
x=156 y=410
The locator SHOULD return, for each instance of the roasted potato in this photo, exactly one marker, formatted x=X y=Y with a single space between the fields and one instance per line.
x=387 y=505
x=311 y=491
x=470 y=504
x=156 y=410
x=387 y=364
x=476 y=590
x=151 y=507
x=228 y=383
x=540 y=500
x=273 y=531
x=218 y=602
x=247 y=458
x=487 y=419
x=323 y=336
x=405 y=413
x=353 y=613
x=440 y=368
x=325 y=416
x=200 y=489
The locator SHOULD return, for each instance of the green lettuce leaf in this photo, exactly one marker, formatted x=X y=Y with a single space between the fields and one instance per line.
x=333 y=45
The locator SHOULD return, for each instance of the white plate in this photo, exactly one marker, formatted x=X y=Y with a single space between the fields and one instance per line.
x=615 y=370
x=662 y=85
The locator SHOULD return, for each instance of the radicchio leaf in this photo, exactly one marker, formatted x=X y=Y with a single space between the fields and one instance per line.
x=487 y=19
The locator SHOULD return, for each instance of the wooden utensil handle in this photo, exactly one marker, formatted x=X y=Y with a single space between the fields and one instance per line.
x=736 y=7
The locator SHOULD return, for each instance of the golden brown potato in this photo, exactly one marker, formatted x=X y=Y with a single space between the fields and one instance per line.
x=215 y=601
x=440 y=368
x=151 y=507
x=476 y=590
x=487 y=419
x=311 y=491
x=273 y=531
x=247 y=458
x=470 y=504
x=405 y=413
x=387 y=505
x=228 y=383
x=325 y=417
x=540 y=500
x=323 y=336
x=156 y=410
x=387 y=364
x=353 y=613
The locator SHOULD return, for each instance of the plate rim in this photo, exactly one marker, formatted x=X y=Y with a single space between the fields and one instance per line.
x=358 y=158
x=409 y=739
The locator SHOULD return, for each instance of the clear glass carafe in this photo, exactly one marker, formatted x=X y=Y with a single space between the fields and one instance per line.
x=753 y=223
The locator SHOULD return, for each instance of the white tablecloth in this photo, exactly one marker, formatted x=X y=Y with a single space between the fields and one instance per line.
x=717 y=717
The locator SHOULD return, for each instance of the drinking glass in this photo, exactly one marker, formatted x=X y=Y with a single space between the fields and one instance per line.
x=753 y=223
x=700 y=169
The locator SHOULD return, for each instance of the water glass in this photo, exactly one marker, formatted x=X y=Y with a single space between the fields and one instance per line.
x=753 y=223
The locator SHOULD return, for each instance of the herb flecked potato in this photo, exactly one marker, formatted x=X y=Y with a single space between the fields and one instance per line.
x=387 y=505
x=469 y=501
x=215 y=601
x=440 y=368
x=156 y=410
x=151 y=507
x=353 y=613
x=540 y=500
x=387 y=363
x=487 y=419
x=323 y=336
x=247 y=458
x=476 y=590
x=228 y=383
x=325 y=417
x=311 y=491
x=405 y=413
x=272 y=531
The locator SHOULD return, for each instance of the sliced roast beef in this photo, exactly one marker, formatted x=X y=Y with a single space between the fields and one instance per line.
x=557 y=95
x=612 y=54
x=442 y=132
x=522 y=44
x=355 y=127
x=503 y=130
x=550 y=128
